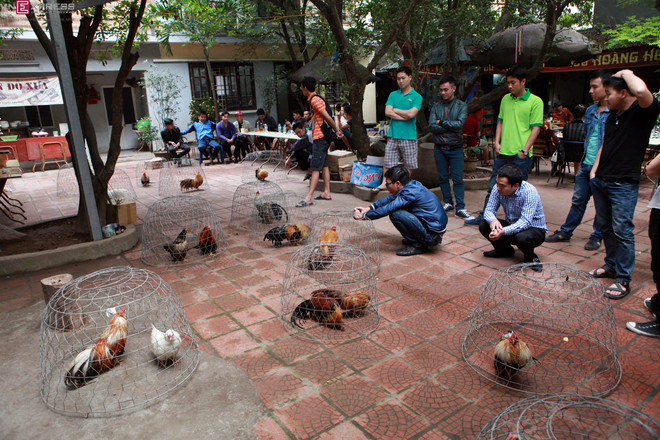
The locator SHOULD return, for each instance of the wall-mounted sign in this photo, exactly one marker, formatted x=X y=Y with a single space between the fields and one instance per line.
x=20 y=92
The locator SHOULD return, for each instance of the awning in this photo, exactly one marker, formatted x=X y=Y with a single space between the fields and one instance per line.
x=20 y=92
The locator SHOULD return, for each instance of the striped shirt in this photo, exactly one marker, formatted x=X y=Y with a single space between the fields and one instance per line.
x=318 y=106
x=523 y=209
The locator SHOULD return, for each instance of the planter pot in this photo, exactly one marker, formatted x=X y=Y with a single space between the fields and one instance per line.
x=470 y=165
x=427 y=173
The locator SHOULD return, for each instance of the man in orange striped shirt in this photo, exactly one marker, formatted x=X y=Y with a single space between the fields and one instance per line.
x=319 y=159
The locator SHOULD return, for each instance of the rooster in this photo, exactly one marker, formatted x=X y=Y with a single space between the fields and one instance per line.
x=179 y=248
x=260 y=174
x=294 y=233
x=189 y=184
x=511 y=355
x=165 y=346
x=354 y=303
x=101 y=357
x=323 y=307
x=144 y=180
x=269 y=212
x=321 y=257
x=207 y=244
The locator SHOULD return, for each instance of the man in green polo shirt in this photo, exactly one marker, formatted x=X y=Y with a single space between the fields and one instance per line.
x=402 y=107
x=518 y=125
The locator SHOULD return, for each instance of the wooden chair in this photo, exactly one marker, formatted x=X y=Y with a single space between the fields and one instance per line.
x=538 y=153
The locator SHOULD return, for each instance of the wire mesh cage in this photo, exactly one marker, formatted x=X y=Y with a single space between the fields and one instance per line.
x=567 y=416
x=358 y=233
x=329 y=293
x=277 y=221
x=181 y=230
x=180 y=180
x=544 y=332
x=151 y=168
x=67 y=185
x=120 y=188
x=244 y=200
x=107 y=362
x=270 y=161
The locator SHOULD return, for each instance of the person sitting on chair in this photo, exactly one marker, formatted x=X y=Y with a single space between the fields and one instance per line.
x=206 y=144
x=173 y=141
x=269 y=124
x=227 y=135
x=243 y=144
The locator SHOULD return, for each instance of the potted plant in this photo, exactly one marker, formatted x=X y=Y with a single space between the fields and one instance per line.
x=471 y=158
x=146 y=132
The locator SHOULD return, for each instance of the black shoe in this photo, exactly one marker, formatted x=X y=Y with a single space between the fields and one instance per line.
x=557 y=237
x=495 y=254
x=651 y=328
x=647 y=305
x=410 y=250
x=406 y=242
x=535 y=264
x=593 y=244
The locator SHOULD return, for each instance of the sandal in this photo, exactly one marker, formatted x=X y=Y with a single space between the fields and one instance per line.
x=322 y=198
x=603 y=272
x=303 y=204
x=623 y=289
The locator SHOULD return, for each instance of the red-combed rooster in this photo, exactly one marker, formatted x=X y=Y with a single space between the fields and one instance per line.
x=354 y=303
x=102 y=356
x=322 y=256
x=511 y=355
x=323 y=307
x=207 y=244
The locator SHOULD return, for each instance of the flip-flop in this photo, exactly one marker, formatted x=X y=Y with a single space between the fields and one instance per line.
x=303 y=204
x=623 y=289
x=606 y=273
x=321 y=198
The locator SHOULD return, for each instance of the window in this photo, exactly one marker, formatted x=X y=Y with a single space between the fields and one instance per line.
x=234 y=84
x=39 y=116
x=127 y=104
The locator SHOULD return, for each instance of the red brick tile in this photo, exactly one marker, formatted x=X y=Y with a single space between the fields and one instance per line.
x=192 y=296
x=223 y=288
x=393 y=375
x=418 y=280
x=238 y=271
x=292 y=349
x=252 y=315
x=235 y=301
x=360 y=353
x=353 y=395
x=256 y=363
x=434 y=434
x=269 y=291
x=434 y=402
x=321 y=369
x=210 y=328
x=462 y=380
x=450 y=313
x=391 y=421
x=395 y=310
x=203 y=310
x=343 y=431
x=234 y=343
x=394 y=338
x=268 y=429
x=268 y=331
x=460 y=263
x=309 y=417
x=467 y=423
x=251 y=281
x=279 y=387
x=423 y=325
x=429 y=359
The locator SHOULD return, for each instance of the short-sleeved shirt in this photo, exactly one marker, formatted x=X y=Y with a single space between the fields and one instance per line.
x=318 y=106
x=625 y=141
x=471 y=130
x=518 y=116
x=404 y=129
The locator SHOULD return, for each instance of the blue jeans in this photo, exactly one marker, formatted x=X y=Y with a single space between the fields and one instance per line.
x=500 y=161
x=581 y=196
x=615 y=206
x=209 y=148
x=413 y=230
x=444 y=160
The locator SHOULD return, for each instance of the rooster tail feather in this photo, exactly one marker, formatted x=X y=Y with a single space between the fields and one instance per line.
x=302 y=312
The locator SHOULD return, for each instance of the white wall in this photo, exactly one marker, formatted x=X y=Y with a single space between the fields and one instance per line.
x=262 y=70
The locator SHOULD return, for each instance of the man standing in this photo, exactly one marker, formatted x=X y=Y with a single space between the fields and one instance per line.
x=402 y=107
x=173 y=141
x=524 y=221
x=414 y=211
x=594 y=123
x=518 y=125
x=319 y=160
x=227 y=135
x=446 y=123
x=616 y=171
x=206 y=143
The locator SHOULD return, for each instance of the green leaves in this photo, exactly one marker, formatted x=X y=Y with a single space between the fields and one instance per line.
x=635 y=31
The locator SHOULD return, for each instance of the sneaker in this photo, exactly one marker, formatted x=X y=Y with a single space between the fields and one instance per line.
x=495 y=254
x=535 y=264
x=651 y=328
x=647 y=304
x=557 y=237
x=474 y=221
x=593 y=244
x=448 y=207
x=462 y=213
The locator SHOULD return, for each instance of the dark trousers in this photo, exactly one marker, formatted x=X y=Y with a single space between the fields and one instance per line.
x=209 y=148
x=501 y=160
x=654 y=235
x=526 y=240
x=241 y=147
x=183 y=149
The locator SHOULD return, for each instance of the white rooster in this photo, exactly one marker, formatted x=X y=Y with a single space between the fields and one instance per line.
x=165 y=346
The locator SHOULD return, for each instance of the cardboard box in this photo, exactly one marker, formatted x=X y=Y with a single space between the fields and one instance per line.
x=366 y=175
x=375 y=160
x=345 y=173
x=340 y=158
x=126 y=214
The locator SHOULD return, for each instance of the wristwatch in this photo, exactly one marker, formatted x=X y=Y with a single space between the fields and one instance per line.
x=523 y=151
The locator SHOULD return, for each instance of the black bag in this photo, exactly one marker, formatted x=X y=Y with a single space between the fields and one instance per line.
x=328 y=133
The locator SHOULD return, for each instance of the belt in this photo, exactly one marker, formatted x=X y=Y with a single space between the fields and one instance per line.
x=442 y=147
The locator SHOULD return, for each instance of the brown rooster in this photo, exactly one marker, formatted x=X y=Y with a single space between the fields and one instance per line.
x=323 y=307
x=354 y=303
x=188 y=184
x=321 y=257
x=511 y=355
x=260 y=174
x=104 y=355
x=207 y=244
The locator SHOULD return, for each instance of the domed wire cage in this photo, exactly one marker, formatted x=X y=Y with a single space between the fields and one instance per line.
x=566 y=416
x=562 y=317
x=244 y=198
x=181 y=180
x=277 y=221
x=152 y=167
x=78 y=315
x=271 y=161
x=358 y=233
x=329 y=293
x=163 y=226
x=120 y=188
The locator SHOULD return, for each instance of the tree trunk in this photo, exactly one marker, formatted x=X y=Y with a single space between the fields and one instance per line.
x=214 y=92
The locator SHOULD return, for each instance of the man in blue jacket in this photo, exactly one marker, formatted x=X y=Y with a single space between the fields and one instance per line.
x=446 y=123
x=206 y=143
x=414 y=210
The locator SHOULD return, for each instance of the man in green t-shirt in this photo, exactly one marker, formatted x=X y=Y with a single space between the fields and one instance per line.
x=518 y=125
x=402 y=107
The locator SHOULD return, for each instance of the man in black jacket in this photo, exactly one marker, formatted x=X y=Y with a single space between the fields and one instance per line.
x=173 y=141
x=446 y=123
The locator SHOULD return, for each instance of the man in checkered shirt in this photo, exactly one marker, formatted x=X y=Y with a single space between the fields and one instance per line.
x=524 y=221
